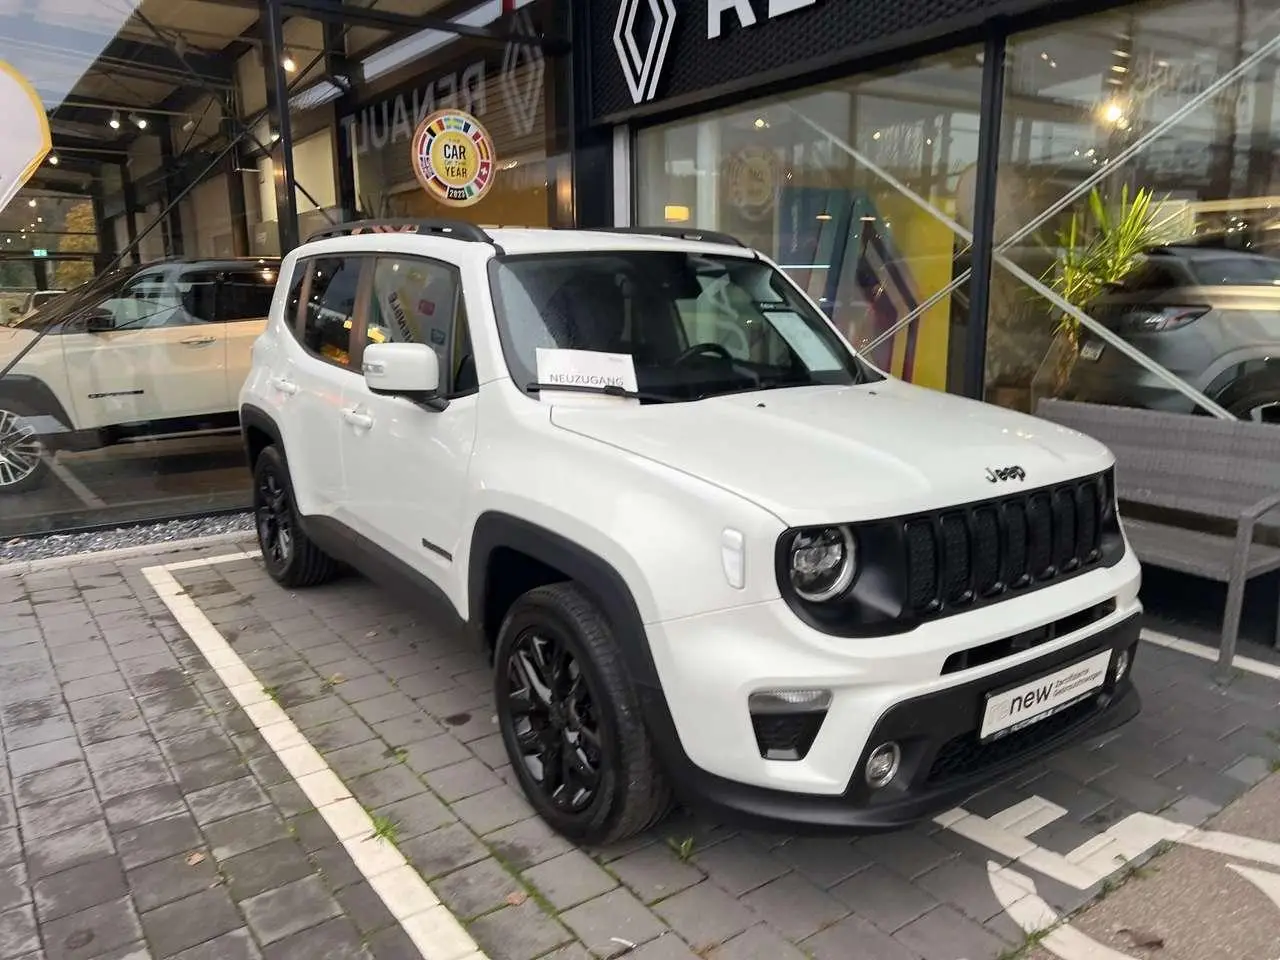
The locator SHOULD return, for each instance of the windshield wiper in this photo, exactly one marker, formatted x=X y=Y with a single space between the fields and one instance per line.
x=609 y=390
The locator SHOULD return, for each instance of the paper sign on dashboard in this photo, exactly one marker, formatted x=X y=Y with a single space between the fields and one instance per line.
x=804 y=340
x=584 y=369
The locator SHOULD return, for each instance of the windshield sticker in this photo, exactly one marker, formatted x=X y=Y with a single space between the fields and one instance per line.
x=587 y=369
x=804 y=340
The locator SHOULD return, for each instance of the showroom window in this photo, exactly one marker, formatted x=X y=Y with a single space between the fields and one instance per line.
x=856 y=188
x=1138 y=195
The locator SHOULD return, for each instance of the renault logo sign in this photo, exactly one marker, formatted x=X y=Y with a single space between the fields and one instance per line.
x=642 y=58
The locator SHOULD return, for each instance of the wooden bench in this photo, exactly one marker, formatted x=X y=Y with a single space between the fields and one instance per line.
x=1194 y=471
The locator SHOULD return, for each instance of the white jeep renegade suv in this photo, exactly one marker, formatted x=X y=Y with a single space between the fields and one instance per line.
x=709 y=549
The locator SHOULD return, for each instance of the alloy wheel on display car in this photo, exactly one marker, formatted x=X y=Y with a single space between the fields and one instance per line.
x=21 y=452
x=552 y=715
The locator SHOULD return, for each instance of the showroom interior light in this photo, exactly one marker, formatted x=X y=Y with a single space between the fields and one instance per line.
x=114 y=122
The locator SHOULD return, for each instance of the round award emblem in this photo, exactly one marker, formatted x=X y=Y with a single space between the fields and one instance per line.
x=453 y=157
x=751 y=181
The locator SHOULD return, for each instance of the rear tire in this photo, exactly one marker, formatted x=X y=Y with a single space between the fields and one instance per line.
x=23 y=459
x=571 y=721
x=291 y=558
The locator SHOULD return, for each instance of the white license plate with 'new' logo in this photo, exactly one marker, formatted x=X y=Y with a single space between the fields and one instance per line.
x=1025 y=704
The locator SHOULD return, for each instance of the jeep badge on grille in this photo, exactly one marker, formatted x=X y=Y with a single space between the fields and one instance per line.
x=1006 y=473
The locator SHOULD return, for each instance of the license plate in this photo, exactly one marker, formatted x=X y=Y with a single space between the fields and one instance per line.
x=1035 y=700
x=1091 y=350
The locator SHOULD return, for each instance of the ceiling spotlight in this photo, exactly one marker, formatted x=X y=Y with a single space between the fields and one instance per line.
x=188 y=124
x=289 y=64
x=39 y=219
x=137 y=121
x=53 y=159
x=114 y=122
x=31 y=202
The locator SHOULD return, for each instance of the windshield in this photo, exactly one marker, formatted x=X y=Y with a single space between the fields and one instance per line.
x=694 y=326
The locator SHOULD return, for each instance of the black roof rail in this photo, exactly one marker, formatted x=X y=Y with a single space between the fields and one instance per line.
x=681 y=233
x=454 y=229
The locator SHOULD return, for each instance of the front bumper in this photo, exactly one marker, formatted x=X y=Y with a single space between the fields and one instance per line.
x=943 y=764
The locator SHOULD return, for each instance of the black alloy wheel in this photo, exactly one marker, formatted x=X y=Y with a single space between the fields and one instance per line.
x=290 y=557
x=571 y=720
x=275 y=520
x=553 y=715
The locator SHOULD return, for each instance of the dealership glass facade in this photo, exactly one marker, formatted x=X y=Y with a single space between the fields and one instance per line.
x=1130 y=203
x=852 y=188
x=164 y=207
x=1032 y=207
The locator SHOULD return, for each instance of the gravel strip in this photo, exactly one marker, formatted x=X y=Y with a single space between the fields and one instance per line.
x=22 y=549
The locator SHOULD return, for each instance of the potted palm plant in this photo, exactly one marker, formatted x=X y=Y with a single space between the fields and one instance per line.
x=1098 y=248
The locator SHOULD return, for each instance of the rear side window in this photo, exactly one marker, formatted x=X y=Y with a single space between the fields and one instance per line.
x=330 y=308
x=246 y=295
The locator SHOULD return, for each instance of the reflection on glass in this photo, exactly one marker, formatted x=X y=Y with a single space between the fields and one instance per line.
x=1137 y=182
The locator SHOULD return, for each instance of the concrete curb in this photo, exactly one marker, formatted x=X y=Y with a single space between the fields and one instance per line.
x=19 y=567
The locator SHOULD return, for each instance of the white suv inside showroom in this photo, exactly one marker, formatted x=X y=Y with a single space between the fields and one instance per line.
x=137 y=353
x=709 y=549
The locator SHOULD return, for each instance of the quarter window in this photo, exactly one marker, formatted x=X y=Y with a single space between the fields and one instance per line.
x=331 y=306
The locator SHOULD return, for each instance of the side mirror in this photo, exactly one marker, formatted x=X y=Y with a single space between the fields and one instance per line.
x=410 y=370
x=100 y=321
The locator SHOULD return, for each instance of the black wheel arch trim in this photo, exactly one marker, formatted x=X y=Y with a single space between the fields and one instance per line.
x=35 y=393
x=255 y=418
x=495 y=530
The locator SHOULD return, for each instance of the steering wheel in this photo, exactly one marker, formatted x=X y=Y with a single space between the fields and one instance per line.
x=699 y=349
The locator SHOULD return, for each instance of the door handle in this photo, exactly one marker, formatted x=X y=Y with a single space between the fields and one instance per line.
x=361 y=421
x=284 y=386
x=198 y=341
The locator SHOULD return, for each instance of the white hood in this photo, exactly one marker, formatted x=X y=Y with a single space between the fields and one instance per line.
x=823 y=454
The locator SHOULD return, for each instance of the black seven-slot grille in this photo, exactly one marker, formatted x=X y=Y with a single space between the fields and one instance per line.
x=957 y=556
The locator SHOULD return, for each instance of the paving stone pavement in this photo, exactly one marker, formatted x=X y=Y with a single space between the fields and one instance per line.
x=126 y=758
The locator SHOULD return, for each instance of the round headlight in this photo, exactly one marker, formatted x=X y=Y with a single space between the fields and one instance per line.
x=822 y=563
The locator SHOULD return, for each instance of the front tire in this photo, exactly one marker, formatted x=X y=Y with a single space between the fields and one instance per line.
x=23 y=459
x=571 y=721
x=1254 y=399
x=291 y=558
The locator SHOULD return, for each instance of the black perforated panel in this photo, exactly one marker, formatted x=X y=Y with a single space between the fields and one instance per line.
x=792 y=40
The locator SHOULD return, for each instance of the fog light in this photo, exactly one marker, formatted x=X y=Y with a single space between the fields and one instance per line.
x=1122 y=665
x=882 y=765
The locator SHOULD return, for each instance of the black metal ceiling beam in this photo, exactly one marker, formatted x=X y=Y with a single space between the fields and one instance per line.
x=153 y=57
x=82 y=145
x=350 y=15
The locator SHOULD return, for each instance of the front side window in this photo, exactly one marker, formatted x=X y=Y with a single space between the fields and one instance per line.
x=331 y=307
x=695 y=326
x=420 y=301
x=159 y=299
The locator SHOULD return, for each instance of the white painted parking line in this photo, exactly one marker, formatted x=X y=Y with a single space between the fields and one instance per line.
x=1093 y=861
x=435 y=931
x=73 y=483
x=1247 y=664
